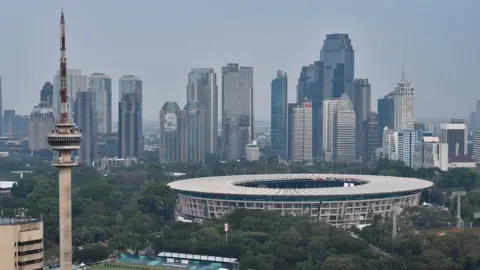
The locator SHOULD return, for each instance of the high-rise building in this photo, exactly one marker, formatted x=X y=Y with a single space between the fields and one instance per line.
x=301 y=141
x=290 y=129
x=86 y=121
x=101 y=85
x=310 y=86
x=430 y=153
x=362 y=106
x=191 y=130
x=9 y=122
x=329 y=110
x=130 y=129
x=403 y=97
x=476 y=145
x=21 y=125
x=372 y=138
x=237 y=109
x=477 y=115
x=455 y=135
x=338 y=57
x=344 y=131
x=21 y=247
x=278 y=116
x=202 y=87
x=46 y=94
x=1 y=108
x=41 y=123
x=386 y=114
x=76 y=81
x=400 y=144
x=169 y=145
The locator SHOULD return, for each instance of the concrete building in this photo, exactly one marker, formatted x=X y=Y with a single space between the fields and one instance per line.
x=46 y=94
x=237 y=110
x=169 y=145
x=372 y=140
x=344 y=131
x=430 y=153
x=462 y=162
x=191 y=130
x=455 y=135
x=21 y=247
x=400 y=144
x=362 y=107
x=1 y=108
x=476 y=145
x=301 y=140
x=105 y=162
x=329 y=111
x=278 y=116
x=386 y=114
x=101 y=85
x=202 y=87
x=252 y=152
x=76 y=81
x=41 y=123
x=130 y=129
x=403 y=97
x=9 y=123
x=85 y=120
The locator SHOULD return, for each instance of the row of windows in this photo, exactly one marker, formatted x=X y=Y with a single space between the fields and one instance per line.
x=27 y=243
x=28 y=252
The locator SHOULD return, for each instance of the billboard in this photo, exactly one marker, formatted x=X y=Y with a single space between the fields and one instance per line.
x=170 y=122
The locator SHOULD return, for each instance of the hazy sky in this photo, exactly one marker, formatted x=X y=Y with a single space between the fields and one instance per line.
x=438 y=41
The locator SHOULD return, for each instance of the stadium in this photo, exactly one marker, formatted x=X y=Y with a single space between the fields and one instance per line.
x=342 y=200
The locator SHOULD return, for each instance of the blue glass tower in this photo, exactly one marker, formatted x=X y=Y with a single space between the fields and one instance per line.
x=279 y=114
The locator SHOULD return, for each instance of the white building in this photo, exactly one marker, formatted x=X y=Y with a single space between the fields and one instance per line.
x=344 y=131
x=455 y=135
x=252 y=152
x=75 y=82
x=101 y=85
x=328 y=128
x=301 y=141
x=403 y=97
x=41 y=123
x=430 y=153
x=400 y=145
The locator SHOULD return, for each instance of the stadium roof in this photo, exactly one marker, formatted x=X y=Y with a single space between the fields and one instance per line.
x=376 y=184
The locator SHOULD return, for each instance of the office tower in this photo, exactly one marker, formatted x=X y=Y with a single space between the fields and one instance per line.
x=477 y=115
x=386 y=114
x=310 y=86
x=1 y=108
x=372 y=138
x=403 y=97
x=191 y=130
x=65 y=138
x=21 y=125
x=430 y=153
x=344 y=131
x=338 y=57
x=41 y=123
x=202 y=87
x=301 y=119
x=455 y=135
x=86 y=121
x=101 y=86
x=130 y=129
x=237 y=109
x=471 y=122
x=169 y=145
x=22 y=242
x=290 y=128
x=278 y=116
x=9 y=123
x=329 y=108
x=46 y=94
x=75 y=82
x=476 y=145
x=400 y=144
x=362 y=106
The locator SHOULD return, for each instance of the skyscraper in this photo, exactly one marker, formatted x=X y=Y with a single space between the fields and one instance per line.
x=191 y=128
x=403 y=97
x=169 y=149
x=130 y=128
x=86 y=121
x=386 y=114
x=455 y=135
x=237 y=109
x=362 y=106
x=344 y=131
x=75 y=82
x=1 y=108
x=338 y=57
x=101 y=85
x=301 y=119
x=41 y=123
x=9 y=123
x=202 y=87
x=372 y=138
x=46 y=94
x=278 y=116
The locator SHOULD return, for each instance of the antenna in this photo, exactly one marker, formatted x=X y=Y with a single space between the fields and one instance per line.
x=403 y=73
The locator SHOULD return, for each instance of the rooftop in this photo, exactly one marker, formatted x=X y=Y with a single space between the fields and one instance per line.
x=7 y=184
x=6 y=221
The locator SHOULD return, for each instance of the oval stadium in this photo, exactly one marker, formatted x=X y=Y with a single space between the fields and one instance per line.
x=340 y=199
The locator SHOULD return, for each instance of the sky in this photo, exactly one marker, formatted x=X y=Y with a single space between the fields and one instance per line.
x=437 y=41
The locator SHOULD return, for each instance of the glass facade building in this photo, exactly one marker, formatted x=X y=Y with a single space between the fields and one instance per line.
x=278 y=116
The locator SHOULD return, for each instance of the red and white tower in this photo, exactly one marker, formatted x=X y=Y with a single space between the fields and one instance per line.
x=65 y=138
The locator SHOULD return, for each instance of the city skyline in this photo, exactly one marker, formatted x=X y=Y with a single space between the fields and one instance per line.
x=164 y=76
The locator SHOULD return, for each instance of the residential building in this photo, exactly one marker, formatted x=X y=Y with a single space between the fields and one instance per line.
x=191 y=131
x=169 y=145
x=252 y=152
x=86 y=121
x=278 y=116
x=237 y=109
x=101 y=85
x=41 y=123
x=430 y=153
x=301 y=132
x=202 y=87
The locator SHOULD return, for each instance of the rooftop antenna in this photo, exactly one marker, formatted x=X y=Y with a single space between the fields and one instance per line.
x=403 y=73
